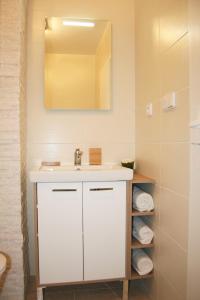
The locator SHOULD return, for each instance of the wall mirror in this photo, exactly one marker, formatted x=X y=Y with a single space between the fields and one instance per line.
x=77 y=64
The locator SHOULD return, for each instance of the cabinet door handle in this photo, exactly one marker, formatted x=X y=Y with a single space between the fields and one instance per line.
x=101 y=189
x=64 y=190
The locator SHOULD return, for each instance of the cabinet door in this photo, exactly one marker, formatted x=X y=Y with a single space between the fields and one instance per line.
x=104 y=223
x=60 y=232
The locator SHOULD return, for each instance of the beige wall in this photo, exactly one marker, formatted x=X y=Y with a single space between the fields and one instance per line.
x=72 y=82
x=13 y=237
x=162 y=141
x=56 y=134
x=194 y=208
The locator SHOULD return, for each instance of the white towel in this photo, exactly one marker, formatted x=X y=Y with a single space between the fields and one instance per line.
x=141 y=262
x=141 y=231
x=142 y=201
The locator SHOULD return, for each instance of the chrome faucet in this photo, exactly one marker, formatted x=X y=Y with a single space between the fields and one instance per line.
x=77 y=157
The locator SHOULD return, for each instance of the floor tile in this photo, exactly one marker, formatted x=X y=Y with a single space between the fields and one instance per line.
x=114 y=284
x=97 y=291
x=59 y=295
x=96 y=295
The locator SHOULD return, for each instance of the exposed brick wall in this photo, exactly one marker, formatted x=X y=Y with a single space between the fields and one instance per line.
x=13 y=236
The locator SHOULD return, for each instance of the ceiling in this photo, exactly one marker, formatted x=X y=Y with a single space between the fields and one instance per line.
x=73 y=40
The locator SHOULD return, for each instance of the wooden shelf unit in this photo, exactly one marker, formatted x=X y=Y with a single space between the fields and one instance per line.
x=138 y=178
x=137 y=245
x=132 y=243
x=136 y=276
x=136 y=213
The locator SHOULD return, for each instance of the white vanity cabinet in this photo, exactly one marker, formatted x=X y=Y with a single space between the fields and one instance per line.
x=104 y=224
x=60 y=246
x=81 y=231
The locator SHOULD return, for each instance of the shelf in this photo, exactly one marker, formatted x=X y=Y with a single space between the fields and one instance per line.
x=138 y=178
x=137 y=245
x=137 y=213
x=136 y=276
x=132 y=242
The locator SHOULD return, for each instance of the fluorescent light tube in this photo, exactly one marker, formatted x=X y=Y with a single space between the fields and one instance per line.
x=78 y=23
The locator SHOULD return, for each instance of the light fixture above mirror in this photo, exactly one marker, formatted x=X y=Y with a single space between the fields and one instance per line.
x=78 y=23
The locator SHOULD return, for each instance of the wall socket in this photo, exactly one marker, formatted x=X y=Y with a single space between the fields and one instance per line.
x=169 y=101
x=149 y=109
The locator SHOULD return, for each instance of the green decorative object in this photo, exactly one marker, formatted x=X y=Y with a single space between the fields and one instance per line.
x=127 y=164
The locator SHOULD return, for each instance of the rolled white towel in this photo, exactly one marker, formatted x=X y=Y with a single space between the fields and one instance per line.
x=141 y=262
x=142 y=201
x=141 y=231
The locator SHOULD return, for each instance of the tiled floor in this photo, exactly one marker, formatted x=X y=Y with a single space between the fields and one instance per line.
x=100 y=291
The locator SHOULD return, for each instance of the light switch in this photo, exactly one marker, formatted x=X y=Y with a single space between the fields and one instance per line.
x=149 y=109
x=169 y=101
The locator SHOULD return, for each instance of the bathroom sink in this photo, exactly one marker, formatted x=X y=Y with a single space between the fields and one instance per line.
x=70 y=173
x=79 y=168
